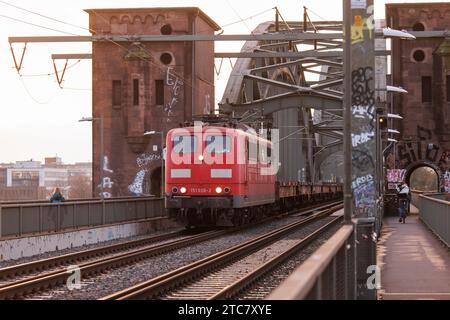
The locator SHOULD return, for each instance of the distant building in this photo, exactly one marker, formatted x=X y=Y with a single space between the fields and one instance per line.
x=25 y=174
x=30 y=180
x=3 y=174
x=53 y=162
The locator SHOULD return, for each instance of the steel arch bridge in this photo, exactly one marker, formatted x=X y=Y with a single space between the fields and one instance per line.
x=297 y=87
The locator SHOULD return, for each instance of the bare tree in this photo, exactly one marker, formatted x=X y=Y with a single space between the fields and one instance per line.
x=80 y=187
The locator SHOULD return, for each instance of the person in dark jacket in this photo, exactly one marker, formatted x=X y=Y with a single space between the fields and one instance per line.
x=404 y=193
x=403 y=210
x=57 y=197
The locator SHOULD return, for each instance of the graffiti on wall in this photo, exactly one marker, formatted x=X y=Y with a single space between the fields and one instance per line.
x=137 y=187
x=394 y=177
x=207 y=109
x=144 y=162
x=364 y=191
x=108 y=182
x=175 y=84
x=447 y=181
x=425 y=150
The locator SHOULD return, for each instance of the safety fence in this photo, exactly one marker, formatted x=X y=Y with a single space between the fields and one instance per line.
x=435 y=213
x=19 y=219
x=329 y=274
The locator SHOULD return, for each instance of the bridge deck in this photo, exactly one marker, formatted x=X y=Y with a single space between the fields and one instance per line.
x=415 y=265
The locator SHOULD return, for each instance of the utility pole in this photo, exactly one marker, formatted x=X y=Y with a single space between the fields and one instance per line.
x=360 y=145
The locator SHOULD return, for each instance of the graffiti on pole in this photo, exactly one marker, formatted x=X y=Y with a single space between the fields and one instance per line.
x=363 y=108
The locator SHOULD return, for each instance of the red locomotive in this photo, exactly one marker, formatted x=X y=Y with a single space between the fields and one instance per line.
x=225 y=176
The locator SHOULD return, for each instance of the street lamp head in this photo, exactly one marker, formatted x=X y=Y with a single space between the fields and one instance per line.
x=392 y=33
x=392 y=140
x=86 y=119
x=396 y=89
x=393 y=131
x=150 y=133
x=394 y=116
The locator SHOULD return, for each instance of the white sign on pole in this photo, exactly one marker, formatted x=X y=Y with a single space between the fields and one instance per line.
x=359 y=4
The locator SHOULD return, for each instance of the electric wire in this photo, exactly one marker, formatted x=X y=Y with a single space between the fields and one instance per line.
x=37 y=25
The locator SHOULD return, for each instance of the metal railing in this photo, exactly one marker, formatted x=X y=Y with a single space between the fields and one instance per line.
x=435 y=213
x=327 y=275
x=19 y=219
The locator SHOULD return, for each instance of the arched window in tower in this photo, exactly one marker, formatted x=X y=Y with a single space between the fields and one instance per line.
x=418 y=27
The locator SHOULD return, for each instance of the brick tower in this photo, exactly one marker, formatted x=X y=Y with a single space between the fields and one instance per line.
x=141 y=86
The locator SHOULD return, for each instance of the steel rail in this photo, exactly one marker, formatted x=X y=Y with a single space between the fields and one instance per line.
x=38 y=265
x=157 y=286
x=48 y=280
x=57 y=277
x=234 y=289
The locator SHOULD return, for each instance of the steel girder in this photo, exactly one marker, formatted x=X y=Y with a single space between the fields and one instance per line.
x=262 y=88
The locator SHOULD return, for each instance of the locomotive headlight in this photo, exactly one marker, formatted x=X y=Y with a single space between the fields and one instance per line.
x=227 y=190
x=175 y=190
x=219 y=190
x=201 y=158
x=183 y=190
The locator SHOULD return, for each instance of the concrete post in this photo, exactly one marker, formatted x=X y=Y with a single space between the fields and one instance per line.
x=360 y=145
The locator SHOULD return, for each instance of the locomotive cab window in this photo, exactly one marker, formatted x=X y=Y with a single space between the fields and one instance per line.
x=252 y=151
x=218 y=144
x=265 y=152
x=184 y=144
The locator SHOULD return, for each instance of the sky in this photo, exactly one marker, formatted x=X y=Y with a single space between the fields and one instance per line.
x=39 y=119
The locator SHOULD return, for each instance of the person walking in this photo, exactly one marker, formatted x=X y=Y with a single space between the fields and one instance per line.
x=57 y=197
x=402 y=210
x=404 y=199
x=404 y=192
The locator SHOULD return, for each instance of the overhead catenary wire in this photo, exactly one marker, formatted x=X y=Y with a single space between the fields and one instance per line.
x=49 y=73
x=31 y=95
x=186 y=81
x=318 y=16
x=37 y=25
x=94 y=31
x=42 y=15
x=248 y=18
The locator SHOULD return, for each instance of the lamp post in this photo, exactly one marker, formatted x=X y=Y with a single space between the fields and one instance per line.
x=161 y=133
x=102 y=151
x=382 y=151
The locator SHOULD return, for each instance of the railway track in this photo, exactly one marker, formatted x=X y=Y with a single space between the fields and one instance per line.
x=224 y=274
x=19 y=288
x=21 y=280
x=63 y=260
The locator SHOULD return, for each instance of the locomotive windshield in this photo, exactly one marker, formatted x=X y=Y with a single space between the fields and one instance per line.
x=218 y=144
x=184 y=144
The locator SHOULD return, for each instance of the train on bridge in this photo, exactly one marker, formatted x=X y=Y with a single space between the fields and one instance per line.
x=223 y=175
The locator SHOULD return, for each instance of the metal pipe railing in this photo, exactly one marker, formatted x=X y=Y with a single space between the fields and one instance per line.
x=325 y=275
x=435 y=213
x=43 y=217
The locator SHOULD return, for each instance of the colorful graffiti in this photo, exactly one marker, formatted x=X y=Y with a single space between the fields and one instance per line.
x=447 y=181
x=395 y=175
x=360 y=25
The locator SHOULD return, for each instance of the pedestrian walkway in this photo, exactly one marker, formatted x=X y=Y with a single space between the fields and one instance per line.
x=414 y=264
